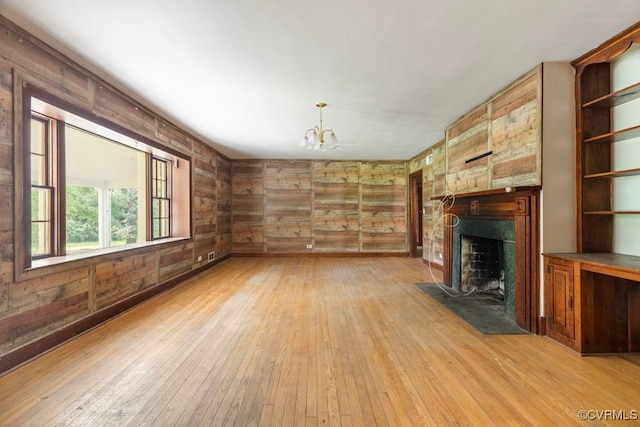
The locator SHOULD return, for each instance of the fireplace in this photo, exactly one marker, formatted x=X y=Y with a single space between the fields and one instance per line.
x=483 y=253
x=510 y=217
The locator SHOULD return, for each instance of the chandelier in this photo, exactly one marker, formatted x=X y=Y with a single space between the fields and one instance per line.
x=314 y=138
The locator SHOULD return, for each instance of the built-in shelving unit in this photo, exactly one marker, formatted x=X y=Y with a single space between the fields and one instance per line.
x=598 y=141
x=592 y=297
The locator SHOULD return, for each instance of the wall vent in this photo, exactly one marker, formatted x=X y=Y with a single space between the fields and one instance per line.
x=429 y=159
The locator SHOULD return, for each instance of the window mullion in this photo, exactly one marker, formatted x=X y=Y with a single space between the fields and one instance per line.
x=59 y=173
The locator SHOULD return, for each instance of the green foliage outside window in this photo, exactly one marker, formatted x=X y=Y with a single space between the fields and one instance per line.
x=82 y=220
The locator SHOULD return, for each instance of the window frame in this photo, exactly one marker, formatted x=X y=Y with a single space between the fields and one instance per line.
x=27 y=266
x=48 y=185
x=153 y=196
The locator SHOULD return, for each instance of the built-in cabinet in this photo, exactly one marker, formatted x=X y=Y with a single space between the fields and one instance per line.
x=592 y=300
x=592 y=296
x=560 y=300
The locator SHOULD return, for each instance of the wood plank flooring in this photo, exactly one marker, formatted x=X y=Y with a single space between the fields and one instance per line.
x=312 y=341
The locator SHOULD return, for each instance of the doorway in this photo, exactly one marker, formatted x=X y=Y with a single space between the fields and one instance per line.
x=415 y=215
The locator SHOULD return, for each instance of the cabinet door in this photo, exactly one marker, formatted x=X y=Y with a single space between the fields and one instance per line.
x=559 y=302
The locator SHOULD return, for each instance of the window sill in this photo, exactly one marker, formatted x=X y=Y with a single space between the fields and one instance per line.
x=44 y=266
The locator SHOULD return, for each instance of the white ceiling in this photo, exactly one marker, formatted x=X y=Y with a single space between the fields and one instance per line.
x=245 y=75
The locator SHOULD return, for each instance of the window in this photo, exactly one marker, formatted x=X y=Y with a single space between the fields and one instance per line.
x=41 y=188
x=104 y=192
x=90 y=186
x=160 y=199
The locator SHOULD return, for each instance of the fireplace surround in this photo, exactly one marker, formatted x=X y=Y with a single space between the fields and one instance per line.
x=510 y=215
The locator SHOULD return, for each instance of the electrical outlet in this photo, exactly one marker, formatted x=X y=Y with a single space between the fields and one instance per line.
x=440 y=255
x=429 y=159
x=211 y=256
x=199 y=258
x=309 y=246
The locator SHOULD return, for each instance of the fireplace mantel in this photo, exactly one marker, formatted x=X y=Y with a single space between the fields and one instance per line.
x=518 y=204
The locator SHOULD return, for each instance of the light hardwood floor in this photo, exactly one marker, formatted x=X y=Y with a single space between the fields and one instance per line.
x=312 y=341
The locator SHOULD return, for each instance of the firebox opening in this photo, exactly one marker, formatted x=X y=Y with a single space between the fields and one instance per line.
x=482 y=266
x=502 y=233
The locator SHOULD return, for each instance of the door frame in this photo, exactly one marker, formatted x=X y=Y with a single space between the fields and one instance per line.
x=415 y=213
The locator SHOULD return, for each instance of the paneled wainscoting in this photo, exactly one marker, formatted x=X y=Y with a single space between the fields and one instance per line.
x=311 y=341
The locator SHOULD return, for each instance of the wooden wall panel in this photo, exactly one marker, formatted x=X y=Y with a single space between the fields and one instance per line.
x=205 y=202
x=109 y=104
x=176 y=260
x=122 y=277
x=463 y=149
x=6 y=281
x=439 y=169
x=31 y=324
x=336 y=217
x=32 y=293
x=471 y=180
x=336 y=241
x=6 y=162
x=173 y=137
x=507 y=128
x=439 y=210
x=335 y=206
x=288 y=205
x=384 y=206
x=519 y=94
x=464 y=174
x=472 y=120
x=6 y=133
x=34 y=307
x=434 y=186
x=31 y=57
x=247 y=206
x=515 y=135
x=223 y=195
x=6 y=223
x=418 y=162
x=248 y=230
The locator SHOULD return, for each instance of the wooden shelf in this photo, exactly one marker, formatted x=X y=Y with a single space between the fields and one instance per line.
x=611 y=212
x=616 y=98
x=614 y=174
x=619 y=135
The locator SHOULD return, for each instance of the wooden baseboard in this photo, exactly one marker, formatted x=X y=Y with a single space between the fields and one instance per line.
x=542 y=326
x=434 y=265
x=40 y=346
x=320 y=254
